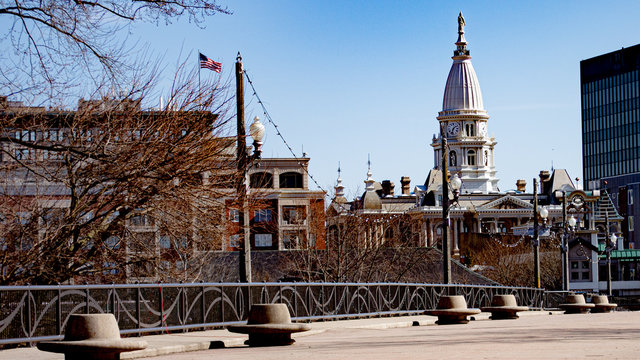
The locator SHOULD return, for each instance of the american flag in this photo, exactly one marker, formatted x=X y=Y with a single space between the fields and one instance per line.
x=207 y=63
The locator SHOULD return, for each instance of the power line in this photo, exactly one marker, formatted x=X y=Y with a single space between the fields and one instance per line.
x=268 y=117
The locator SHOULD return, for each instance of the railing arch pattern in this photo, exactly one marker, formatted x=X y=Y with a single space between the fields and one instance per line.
x=36 y=313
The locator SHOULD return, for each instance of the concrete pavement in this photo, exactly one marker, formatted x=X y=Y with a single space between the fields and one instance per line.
x=536 y=335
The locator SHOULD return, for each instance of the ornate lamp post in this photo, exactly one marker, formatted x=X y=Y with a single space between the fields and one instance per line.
x=455 y=184
x=610 y=244
x=565 y=241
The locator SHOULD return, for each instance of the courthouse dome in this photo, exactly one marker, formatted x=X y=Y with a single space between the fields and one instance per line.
x=462 y=91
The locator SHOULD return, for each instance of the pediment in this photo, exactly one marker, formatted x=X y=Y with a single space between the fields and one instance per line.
x=506 y=202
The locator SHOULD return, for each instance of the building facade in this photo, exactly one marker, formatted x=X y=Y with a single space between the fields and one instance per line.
x=285 y=214
x=610 y=101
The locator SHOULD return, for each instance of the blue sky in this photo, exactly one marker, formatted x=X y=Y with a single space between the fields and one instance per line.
x=347 y=79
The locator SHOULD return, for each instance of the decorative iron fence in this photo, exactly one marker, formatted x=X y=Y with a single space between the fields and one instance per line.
x=37 y=313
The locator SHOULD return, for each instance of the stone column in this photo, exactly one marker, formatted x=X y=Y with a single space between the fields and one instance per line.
x=457 y=231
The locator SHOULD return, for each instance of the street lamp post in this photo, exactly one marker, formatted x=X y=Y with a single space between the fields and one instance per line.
x=256 y=131
x=543 y=213
x=565 y=241
x=610 y=242
x=456 y=183
x=536 y=239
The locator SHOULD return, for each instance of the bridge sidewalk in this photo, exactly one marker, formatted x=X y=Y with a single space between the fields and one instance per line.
x=166 y=344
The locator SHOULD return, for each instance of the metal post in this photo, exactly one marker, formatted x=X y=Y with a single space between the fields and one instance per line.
x=536 y=240
x=446 y=254
x=87 y=299
x=245 y=245
x=204 y=306
x=59 y=312
x=138 y=306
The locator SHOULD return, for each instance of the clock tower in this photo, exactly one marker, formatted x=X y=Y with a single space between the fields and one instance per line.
x=463 y=121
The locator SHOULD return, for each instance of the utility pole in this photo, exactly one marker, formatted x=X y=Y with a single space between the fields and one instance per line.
x=536 y=240
x=446 y=254
x=244 y=259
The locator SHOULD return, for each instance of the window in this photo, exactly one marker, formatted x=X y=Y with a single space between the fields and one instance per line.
x=52 y=215
x=470 y=129
x=234 y=240
x=54 y=135
x=263 y=240
x=112 y=242
x=234 y=215
x=290 y=240
x=291 y=180
x=630 y=197
x=630 y=222
x=261 y=180
x=141 y=220
x=23 y=217
x=312 y=240
x=581 y=270
x=23 y=154
x=263 y=215
x=293 y=215
x=471 y=157
x=164 y=242
x=26 y=135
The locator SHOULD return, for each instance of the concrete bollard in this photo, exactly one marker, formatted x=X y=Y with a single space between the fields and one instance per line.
x=92 y=337
x=269 y=325
x=575 y=304
x=602 y=304
x=452 y=310
x=504 y=307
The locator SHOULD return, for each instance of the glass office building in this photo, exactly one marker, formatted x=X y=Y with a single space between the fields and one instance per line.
x=610 y=94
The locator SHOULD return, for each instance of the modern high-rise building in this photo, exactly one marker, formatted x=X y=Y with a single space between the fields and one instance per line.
x=610 y=92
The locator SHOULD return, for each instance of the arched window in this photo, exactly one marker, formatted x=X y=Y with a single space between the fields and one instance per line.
x=470 y=129
x=261 y=180
x=291 y=180
x=471 y=157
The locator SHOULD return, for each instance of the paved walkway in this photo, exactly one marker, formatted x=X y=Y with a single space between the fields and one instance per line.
x=536 y=335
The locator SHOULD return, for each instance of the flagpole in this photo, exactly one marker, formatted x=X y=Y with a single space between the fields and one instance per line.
x=199 y=68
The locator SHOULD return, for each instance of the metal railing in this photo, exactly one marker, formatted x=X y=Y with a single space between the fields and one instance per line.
x=37 y=313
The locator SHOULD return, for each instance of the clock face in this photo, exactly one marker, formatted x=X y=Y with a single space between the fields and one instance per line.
x=578 y=201
x=453 y=128
x=483 y=129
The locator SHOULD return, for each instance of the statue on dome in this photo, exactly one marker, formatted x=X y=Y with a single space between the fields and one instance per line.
x=461 y=23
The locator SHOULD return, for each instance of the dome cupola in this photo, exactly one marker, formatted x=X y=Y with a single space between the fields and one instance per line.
x=462 y=91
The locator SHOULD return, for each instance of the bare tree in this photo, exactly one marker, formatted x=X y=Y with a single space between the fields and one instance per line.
x=366 y=248
x=111 y=190
x=509 y=261
x=53 y=48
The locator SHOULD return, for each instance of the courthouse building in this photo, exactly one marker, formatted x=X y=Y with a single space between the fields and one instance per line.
x=482 y=209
